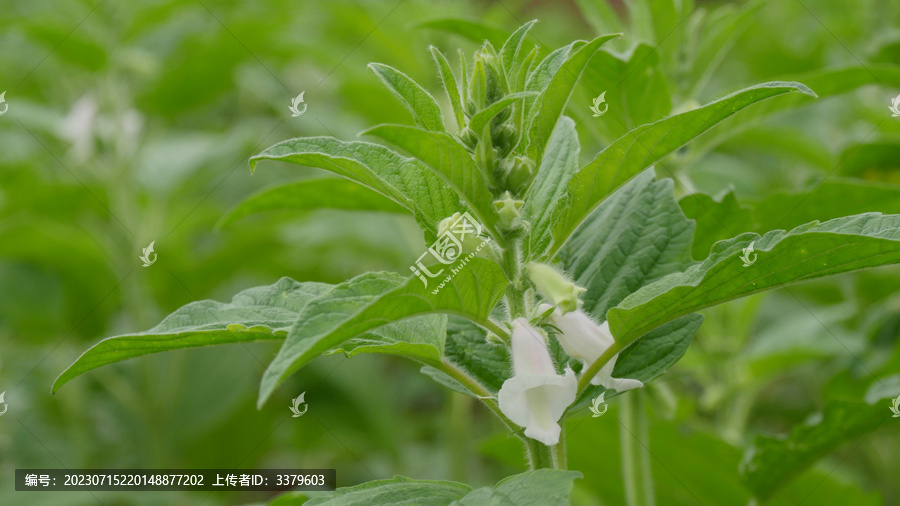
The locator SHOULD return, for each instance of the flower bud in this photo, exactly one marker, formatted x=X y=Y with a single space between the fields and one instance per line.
x=556 y=288
x=521 y=173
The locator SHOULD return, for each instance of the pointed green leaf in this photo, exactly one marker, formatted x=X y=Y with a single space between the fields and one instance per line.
x=450 y=160
x=510 y=53
x=417 y=101
x=826 y=83
x=543 y=73
x=404 y=180
x=450 y=86
x=482 y=117
x=553 y=100
x=256 y=314
x=782 y=258
x=559 y=163
x=372 y=300
x=309 y=195
x=644 y=146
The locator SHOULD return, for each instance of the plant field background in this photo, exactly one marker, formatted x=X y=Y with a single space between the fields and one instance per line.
x=132 y=122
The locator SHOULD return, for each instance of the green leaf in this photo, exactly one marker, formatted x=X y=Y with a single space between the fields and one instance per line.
x=450 y=160
x=635 y=237
x=420 y=338
x=559 y=163
x=476 y=31
x=539 y=78
x=404 y=180
x=822 y=201
x=541 y=487
x=636 y=89
x=467 y=348
x=450 y=86
x=807 y=252
x=311 y=194
x=654 y=353
x=826 y=83
x=257 y=314
x=644 y=146
x=482 y=117
x=398 y=490
x=771 y=462
x=373 y=300
x=510 y=52
x=417 y=101
x=554 y=98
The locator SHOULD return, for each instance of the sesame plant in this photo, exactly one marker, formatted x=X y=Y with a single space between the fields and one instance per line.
x=569 y=285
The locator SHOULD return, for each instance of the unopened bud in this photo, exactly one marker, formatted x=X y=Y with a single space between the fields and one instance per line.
x=555 y=287
x=520 y=175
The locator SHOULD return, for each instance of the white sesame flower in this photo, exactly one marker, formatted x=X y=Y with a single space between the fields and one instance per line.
x=585 y=340
x=536 y=396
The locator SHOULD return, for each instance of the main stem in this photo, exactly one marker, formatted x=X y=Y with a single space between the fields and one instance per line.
x=512 y=268
x=539 y=455
x=635 y=436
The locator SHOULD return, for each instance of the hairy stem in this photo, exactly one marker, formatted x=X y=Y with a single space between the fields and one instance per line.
x=559 y=449
x=515 y=294
x=539 y=456
x=635 y=436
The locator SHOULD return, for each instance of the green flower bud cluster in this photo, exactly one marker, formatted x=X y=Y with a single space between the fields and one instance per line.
x=498 y=149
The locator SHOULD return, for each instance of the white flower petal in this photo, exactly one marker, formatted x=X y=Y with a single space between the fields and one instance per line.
x=586 y=341
x=529 y=350
x=537 y=401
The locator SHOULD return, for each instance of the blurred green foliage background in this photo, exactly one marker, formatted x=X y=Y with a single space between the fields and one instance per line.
x=132 y=122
